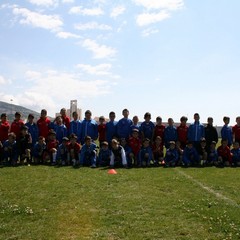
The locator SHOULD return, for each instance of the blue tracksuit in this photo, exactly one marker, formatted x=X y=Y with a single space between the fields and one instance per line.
x=61 y=131
x=212 y=156
x=111 y=130
x=38 y=151
x=170 y=134
x=235 y=156
x=147 y=129
x=104 y=157
x=33 y=130
x=123 y=128
x=171 y=156
x=128 y=150
x=76 y=128
x=143 y=151
x=88 y=154
x=196 y=132
x=226 y=133
x=62 y=152
x=10 y=152
x=190 y=156
x=89 y=128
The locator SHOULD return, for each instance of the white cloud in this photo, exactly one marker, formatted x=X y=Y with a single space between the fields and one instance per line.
x=32 y=75
x=92 y=26
x=160 y=4
x=86 y=11
x=49 y=22
x=68 y=1
x=4 y=81
x=99 y=51
x=149 y=31
x=117 y=11
x=66 y=35
x=145 y=19
x=45 y=3
x=101 y=69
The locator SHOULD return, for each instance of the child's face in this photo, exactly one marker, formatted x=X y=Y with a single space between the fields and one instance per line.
x=52 y=137
x=213 y=146
x=123 y=142
x=24 y=132
x=238 y=121
x=4 y=118
x=172 y=146
x=203 y=144
x=112 y=117
x=88 y=142
x=159 y=122
x=105 y=147
x=75 y=116
x=196 y=117
x=41 y=141
x=226 y=121
x=88 y=116
x=125 y=114
x=170 y=122
x=43 y=114
x=210 y=121
x=114 y=145
x=183 y=122
x=30 y=119
x=73 y=141
x=224 y=143
x=101 y=121
x=146 y=144
x=63 y=112
x=135 y=134
x=236 y=145
x=11 y=139
x=17 y=117
x=135 y=120
x=158 y=141
x=190 y=146
x=147 y=118
x=59 y=121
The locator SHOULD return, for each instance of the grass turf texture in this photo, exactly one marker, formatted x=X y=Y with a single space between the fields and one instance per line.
x=42 y=202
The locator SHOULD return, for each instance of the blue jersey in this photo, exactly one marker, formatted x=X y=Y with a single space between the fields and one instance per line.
x=196 y=131
x=88 y=154
x=142 y=154
x=226 y=134
x=171 y=155
x=89 y=128
x=10 y=150
x=147 y=129
x=76 y=128
x=190 y=155
x=111 y=130
x=61 y=131
x=170 y=134
x=104 y=157
x=123 y=128
x=39 y=149
x=235 y=155
x=33 y=130
x=212 y=156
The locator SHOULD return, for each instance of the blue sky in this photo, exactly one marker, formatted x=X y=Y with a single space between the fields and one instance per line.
x=166 y=57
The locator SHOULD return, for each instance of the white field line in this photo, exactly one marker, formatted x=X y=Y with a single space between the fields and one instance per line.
x=208 y=189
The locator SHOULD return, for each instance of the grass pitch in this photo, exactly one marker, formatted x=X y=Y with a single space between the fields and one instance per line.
x=42 y=202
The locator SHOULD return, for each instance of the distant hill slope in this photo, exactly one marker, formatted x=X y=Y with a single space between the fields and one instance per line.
x=10 y=110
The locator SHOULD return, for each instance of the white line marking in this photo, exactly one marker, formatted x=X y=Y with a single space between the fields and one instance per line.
x=208 y=189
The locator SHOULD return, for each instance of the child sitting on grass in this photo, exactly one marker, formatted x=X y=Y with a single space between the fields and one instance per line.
x=171 y=157
x=145 y=154
x=118 y=155
x=224 y=154
x=10 y=150
x=212 y=158
x=39 y=151
x=190 y=155
x=235 y=155
x=74 y=149
x=62 y=152
x=104 y=155
x=158 y=151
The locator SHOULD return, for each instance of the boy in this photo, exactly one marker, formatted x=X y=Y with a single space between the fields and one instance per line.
x=32 y=129
x=17 y=124
x=104 y=155
x=75 y=126
x=89 y=127
x=157 y=151
x=52 y=146
x=190 y=155
x=60 y=129
x=171 y=157
x=212 y=155
x=111 y=128
x=10 y=150
x=159 y=129
x=170 y=133
x=182 y=131
x=101 y=130
x=128 y=151
x=135 y=144
x=123 y=126
x=203 y=152
x=236 y=131
x=118 y=155
x=43 y=124
x=65 y=118
x=39 y=151
x=145 y=154
x=74 y=150
x=226 y=131
x=210 y=133
x=224 y=154
x=235 y=155
x=147 y=127
x=4 y=128
x=88 y=153
x=135 y=124
x=62 y=152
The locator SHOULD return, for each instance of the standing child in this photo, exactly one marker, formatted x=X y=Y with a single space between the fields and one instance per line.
x=170 y=133
x=101 y=130
x=104 y=155
x=123 y=126
x=235 y=155
x=60 y=129
x=159 y=129
x=182 y=131
x=43 y=124
x=74 y=150
x=147 y=127
x=39 y=151
x=88 y=153
x=75 y=126
x=145 y=154
x=210 y=133
x=236 y=131
x=10 y=150
x=118 y=155
x=224 y=154
x=226 y=131
x=17 y=124
x=135 y=124
x=32 y=129
x=111 y=128
x=4 y=128
x=65 y=118
x=171 y=157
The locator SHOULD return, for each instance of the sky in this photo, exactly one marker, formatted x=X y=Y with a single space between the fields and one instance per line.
x=167 y=57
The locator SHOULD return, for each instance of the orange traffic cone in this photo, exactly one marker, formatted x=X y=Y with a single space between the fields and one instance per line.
x=112 y=171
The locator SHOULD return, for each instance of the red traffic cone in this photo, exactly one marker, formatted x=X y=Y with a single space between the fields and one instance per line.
x=112 y=171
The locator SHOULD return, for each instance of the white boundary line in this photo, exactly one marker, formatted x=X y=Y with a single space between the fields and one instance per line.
x=208 y=189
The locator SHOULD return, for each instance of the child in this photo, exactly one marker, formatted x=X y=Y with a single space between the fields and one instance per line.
x=170 y=133
x=128 y=151
x=235 y=155
x=224 y=154
x=159 y=129
x=62 y=152
x=43 y=124
x=88 y=153
x=180 y=153
x=65 y=118
x=17 y=124
x=210 y=133
x=182 y=131
x=147 y=127
x=157 y=151
x=75 y=126
x=123 y=126
x=60 y=129
x=135 y=124
x=24 y=143
x=32 y=129
x=111 y=128
x=39 y=151
x=101 y=130
x=171 y=157
x=145 y=154
x=118 y=155
x=190 y=155
x=104 y=155
x=135 y=144
x=74 y=150
x=203 y=152
x=236 y=131
x=4 y=128
x=212 y=155
x=226 y=131
x=10 y=150
x=52 y=146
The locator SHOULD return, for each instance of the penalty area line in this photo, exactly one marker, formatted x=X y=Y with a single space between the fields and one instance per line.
x=208 y=189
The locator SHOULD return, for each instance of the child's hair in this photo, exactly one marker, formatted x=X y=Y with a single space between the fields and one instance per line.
x=88 y=112
x=115 y=141
x=125 y=110
x=30 y=115
x=18 y=114
x=111 y=113
x=183 y=118
x=172 y=142
x=102 y=118
x=158 y=118
x=51 y=132
x=225 y=118
x=74 y=113
x=147 y=114
x=87 y=138
x=3 y=115
x=73 y=136
x=213 y=142
x=44 y=111
x=65 y=139
x=158 y=138
x=105 y=143
x=12 y=135
x=146 y=140
x=238 y=117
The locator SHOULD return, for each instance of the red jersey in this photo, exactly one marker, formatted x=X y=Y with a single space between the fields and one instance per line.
x=135 y=145
x=225 y=153
x=43 y=126
x=66 y=121
x=236 y=132
x=159 y=131
x=157 y=150
x=4 y=130
x=76 y=147
x=52 y=144
x=102 y=132
x=16 y=127
x=182 y=132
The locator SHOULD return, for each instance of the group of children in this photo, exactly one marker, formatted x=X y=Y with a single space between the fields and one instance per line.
x=123 y=143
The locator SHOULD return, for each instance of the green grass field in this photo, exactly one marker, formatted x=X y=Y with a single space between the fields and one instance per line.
x=42 y=202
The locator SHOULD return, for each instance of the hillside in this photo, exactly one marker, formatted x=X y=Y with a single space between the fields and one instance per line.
x=10 y=110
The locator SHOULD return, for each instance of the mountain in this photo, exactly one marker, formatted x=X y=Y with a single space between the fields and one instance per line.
x=10 y=110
